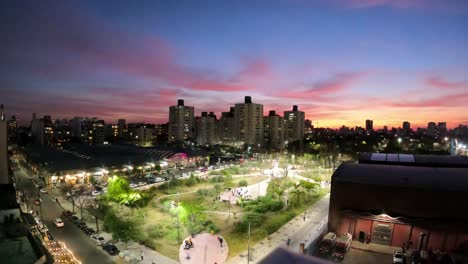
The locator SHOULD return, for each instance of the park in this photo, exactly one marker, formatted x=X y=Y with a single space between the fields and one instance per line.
x=242 y=204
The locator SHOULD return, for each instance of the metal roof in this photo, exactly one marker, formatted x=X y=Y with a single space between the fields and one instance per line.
x=414 y=160
x=403 y=176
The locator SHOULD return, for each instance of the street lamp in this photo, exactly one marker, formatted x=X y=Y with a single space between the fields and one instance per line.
x=399 y=142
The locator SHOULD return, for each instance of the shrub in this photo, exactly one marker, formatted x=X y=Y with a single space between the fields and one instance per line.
x=254 y=218
x=157 y=231
x=191 y=181
x=242 y=183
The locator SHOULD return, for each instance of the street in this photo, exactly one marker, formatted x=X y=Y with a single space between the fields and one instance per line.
x=84 y=249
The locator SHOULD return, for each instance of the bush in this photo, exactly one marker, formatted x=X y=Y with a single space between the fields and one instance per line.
x=242 y=183
x=254 y=218
x=217 y=179
x=241 y=227
x=156 y=232
x=191 y=181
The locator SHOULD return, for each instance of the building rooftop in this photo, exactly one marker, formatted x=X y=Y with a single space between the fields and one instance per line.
x=403 y=176
x=80 y=157
x=414 y=160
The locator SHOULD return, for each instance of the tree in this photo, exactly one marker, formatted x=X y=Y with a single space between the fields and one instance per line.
x=81 y=201
x=96 y=208
x=242 y=183
x=309 y=186
x=297 y=191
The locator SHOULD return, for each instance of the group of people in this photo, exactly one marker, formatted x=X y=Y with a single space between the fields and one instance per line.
x=188 y=243
x=241 y=191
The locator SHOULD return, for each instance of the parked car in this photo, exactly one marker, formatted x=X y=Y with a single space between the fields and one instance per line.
x=89 y=231
x=58 y=222
x=97 y=188
x=95 y=193
x=43 y=190
x=82 y=225
x=132 y=185
x=37 y=201
x=141 y=184
x=398 y=257
x=342 y=245
x=38 y=220
x=67 y=213
x=104 y=190
x=104 y=183
x=98 y=239
x=49 y=235
x=75 y=219
x=328 y=243
x=111 y=249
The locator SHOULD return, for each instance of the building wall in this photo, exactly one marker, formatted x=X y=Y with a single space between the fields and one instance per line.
x=181 y=122
x=249 y=123
x=4 y=176
x=423 y=205
x=294 y=126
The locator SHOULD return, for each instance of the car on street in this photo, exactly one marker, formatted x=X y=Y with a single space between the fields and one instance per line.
x=89 y=231
x=58 y=222
x=49 y=235
x=37 y=201
x=132 y=185
x=43 y=190
x=104 y=190
x=82 y=225
x=98 y=188
x=98 y=239
x=67 y=213
x=38 y=220
x=95 y=193
x=141 y=184
x=104 y=183
x=398 y=257
x=75 y=219
x=111 y=249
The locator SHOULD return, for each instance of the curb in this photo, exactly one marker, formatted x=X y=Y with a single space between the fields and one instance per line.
x=371 y=250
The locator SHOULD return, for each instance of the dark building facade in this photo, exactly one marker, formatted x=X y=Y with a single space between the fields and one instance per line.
x=401 y=199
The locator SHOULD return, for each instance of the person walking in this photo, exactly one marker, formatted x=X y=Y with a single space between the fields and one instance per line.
x=142 y=255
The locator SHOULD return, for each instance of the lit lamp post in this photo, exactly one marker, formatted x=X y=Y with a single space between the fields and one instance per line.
x=399 y=143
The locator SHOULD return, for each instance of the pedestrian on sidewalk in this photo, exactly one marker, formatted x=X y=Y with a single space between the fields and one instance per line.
x=142 y=255
x=220 y=239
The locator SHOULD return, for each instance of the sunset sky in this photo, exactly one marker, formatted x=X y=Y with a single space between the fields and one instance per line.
x=341 y=61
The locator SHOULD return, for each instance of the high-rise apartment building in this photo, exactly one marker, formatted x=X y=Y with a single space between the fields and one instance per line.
x=122 y=128
x=181 y=122
x=431 y=128
x=226 y=127
x=4 y=176
x=442 y=128
x=369 y=125
x=274 y=130
x=406 y=126
x=294 y=125
x=248 y=118
x=145 y=135
x=206 y=130
x=97 y=137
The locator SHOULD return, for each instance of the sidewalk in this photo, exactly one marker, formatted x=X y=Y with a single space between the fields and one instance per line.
x=132 y=254
x=373 y=247
x=298 y=230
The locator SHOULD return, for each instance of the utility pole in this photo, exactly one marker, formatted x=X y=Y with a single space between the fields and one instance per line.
x=178 y=232
x=248 y=247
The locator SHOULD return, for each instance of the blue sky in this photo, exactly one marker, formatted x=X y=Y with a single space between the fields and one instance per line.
x=341 y=61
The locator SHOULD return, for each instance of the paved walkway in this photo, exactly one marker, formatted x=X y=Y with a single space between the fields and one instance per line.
x=298 y=230
x=253 y=191
x=206 y=249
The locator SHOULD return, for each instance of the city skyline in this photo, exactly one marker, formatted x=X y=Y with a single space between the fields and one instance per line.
x=342 y=62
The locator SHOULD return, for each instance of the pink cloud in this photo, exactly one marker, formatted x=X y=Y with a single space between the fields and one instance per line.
x=443 y=84
x=324 y=88
x=441 y=101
